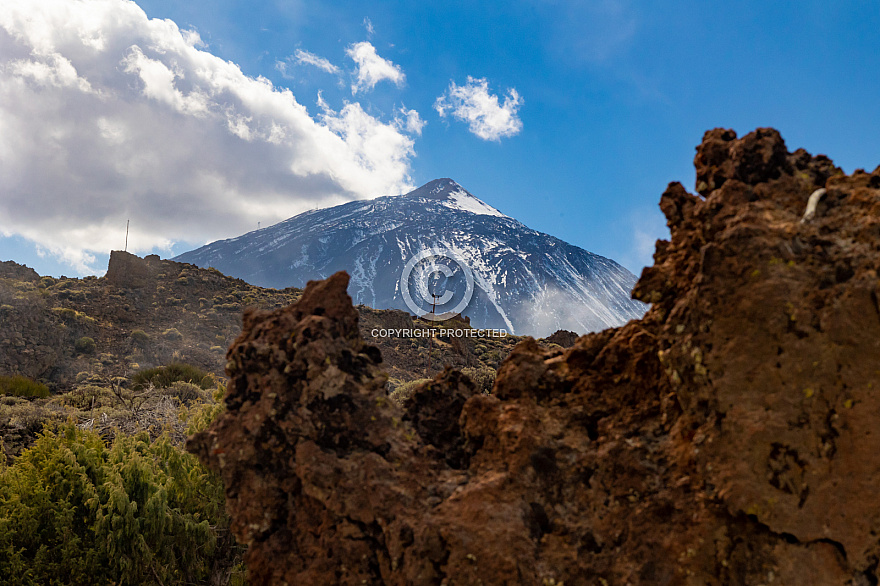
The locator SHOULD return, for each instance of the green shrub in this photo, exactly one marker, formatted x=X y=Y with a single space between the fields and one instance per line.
x=405 y=390
x=186 y=392
x=75 y=511
x=483 y=378
x=172 y=334
x=87 y=397
x=164 y=376
x=69 y=314
x=140 y=338
x=65 y=312
x=85 y=345
x=29 y=417
x=21 y=386
x=9 y=400
x=200 y=416
x=72 y=295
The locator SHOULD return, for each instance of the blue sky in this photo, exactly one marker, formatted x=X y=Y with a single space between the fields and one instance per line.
x=606 y=101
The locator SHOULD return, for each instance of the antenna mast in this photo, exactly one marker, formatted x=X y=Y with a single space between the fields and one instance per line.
x=431 y=339
x=126 y=235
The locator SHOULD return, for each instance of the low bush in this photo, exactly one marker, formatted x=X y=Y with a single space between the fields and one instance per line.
x=85 y=345
x=74 y=510
x=483 y=378
x=185 y=392
x=65 y=312
x=29 y=417
x=22 y=386
x=140 y=338
x=164 y=376
x=172 y=334
x=87 y=397
x=405 y=390
x=69 y=314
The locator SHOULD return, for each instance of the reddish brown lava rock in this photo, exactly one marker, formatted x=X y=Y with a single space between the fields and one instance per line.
x=564 y=338
x=727 y=438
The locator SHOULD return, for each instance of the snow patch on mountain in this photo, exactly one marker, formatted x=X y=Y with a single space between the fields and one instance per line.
x=462 y=200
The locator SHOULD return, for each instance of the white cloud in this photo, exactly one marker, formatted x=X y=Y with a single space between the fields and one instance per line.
x=312 y=59
x=472 y=103
x=107 y=115
x=368 y=24
x=410 y=121
x=371 y=68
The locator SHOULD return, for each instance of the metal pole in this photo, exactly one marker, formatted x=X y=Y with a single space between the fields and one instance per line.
x=126 y=235
x=431 y=339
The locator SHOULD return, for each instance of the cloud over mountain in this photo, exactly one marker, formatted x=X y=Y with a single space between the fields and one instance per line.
x=107 y=115
x=485 y=116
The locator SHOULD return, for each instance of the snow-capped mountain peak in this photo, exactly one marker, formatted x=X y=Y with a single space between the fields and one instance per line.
x=455 y=197
x=523 y=281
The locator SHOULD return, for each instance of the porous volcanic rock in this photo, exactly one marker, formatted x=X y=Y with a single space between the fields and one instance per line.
x=127 y=270
x=564 y=338
x=727 y=438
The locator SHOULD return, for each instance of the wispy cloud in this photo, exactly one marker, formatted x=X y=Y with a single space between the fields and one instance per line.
x=486 y=117
x=371 y=68
x=106 y=115
x=312 y=59
x=301 y=57
x=368 y=25
x=409 y=121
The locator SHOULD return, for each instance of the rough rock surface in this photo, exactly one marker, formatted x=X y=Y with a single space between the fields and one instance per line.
x=564 y=338
x=130 y=271
x=13 y=270
x=727 y=438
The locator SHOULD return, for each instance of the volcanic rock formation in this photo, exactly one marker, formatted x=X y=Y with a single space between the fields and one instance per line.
x=728 y=437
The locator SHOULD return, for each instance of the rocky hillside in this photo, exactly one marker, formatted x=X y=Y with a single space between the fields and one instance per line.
x=150 y=312
x=727 y=438
x=143 y=313
x=83 y=337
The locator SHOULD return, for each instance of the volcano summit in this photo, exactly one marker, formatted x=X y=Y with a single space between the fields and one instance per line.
x=525 y=281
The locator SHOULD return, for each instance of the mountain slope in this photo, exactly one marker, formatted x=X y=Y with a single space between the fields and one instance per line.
x=525 y=281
